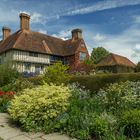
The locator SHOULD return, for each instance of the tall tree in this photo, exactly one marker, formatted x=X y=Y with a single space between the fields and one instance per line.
x=98 y=53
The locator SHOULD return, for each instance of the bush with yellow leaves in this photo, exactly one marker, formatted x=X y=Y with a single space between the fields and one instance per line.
x=35 y=109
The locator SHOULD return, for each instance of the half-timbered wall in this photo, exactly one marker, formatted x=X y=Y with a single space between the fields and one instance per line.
x=26 y=61
x=25 y=57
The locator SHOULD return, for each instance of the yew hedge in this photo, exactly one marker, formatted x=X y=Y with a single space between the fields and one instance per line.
x=98 y=81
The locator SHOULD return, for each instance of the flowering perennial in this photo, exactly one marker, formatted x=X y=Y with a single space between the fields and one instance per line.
x=6 y=93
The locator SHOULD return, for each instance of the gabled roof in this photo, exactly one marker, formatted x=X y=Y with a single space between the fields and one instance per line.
x=114 y=59
x=37 y=42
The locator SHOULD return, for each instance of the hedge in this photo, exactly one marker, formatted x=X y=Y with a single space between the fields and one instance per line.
x=95 y=82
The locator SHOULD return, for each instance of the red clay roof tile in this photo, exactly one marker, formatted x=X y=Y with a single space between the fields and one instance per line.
x=37 y=42
x=114 y=59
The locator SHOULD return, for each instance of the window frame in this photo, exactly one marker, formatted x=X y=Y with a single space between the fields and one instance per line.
x=32 y=54
x=82 y=56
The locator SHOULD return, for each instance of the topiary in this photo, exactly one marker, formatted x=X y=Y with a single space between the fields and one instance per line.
x=130 y=121
x=35 y=109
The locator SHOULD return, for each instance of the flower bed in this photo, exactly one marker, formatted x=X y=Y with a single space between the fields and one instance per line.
x=5 y=97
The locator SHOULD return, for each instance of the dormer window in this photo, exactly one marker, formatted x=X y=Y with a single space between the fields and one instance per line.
x=82 y=56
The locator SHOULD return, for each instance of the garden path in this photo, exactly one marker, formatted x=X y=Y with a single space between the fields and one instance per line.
x=9 y=131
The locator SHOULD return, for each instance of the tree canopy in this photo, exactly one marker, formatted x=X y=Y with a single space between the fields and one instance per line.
x=98 y=53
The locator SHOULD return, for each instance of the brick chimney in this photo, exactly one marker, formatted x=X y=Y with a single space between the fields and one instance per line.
x=6 y=32
x=24 y=21
x=76 y=34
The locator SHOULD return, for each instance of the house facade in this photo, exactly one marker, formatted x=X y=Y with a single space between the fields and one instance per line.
x=33 y=51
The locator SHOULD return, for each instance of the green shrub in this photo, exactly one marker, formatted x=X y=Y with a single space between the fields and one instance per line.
x=95 y=82
x=21 y=84
x=17 y=85
x=36 y=109
x=56 y=74
x=99 y=127
x=8 y=73
x=37 y=80
x=4 y=103
x=82 y=117
x=130 y=121
x=120 y=96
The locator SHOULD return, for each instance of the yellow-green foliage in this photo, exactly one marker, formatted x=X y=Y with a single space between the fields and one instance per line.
x=35 y=107
x=57 y=74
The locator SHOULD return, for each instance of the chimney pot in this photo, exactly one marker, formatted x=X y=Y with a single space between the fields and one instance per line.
x=24 y=21
x=76 y=34
x=6 y=32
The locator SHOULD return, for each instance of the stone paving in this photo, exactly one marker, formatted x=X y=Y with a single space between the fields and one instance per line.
x=9 y=131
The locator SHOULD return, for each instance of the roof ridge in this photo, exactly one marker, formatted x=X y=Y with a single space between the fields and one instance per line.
x=118 y=55
x=46 y=35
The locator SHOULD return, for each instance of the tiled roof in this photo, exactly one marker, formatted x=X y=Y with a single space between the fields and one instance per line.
x=114 y=59
x=38 y=42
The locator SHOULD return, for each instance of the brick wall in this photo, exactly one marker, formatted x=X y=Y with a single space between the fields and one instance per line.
x=74 y=60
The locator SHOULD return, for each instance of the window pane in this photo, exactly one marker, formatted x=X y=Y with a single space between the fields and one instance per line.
x=31 y=54
x=82 y=56
x=27 y=66
x=35 y=54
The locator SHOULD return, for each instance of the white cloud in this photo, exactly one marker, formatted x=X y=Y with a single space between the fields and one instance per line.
x=8 y=16
x=63 y=34
x=42 y=31
x=36 y=17
x=104 y=5
x=126 y=43
x=98 y=37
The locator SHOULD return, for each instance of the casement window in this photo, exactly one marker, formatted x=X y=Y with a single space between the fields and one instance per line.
x=56 y=58
x=82 y=56
x=33 y=54
x=42 y=67
x=27 y=66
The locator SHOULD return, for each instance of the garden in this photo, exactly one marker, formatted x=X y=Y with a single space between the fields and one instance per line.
x=98 y=107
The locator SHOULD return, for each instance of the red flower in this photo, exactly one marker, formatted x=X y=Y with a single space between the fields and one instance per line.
x=10 y=93
x=7 y=93
x=2 y=93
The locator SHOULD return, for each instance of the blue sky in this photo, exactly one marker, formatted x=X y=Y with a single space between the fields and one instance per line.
x=113 y=24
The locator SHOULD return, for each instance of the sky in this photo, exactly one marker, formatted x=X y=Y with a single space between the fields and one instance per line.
x=112 y=24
